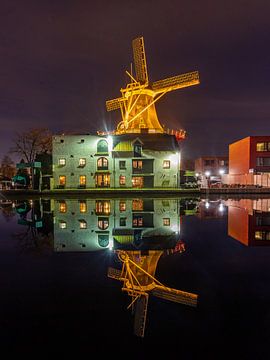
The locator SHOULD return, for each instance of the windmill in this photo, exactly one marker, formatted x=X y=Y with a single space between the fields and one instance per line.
x=137 y=275
x=138 y=98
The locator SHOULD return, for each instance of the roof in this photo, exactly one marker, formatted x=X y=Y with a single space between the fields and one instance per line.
x=157 y=142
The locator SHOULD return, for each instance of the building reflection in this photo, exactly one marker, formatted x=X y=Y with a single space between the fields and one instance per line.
x=249 y=221
x=96 y=224
x=211 y=209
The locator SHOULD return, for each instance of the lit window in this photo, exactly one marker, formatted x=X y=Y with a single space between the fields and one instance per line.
x=122 y=206
x=62 y=161
x=62 y=224
x=263 y=146
x=83 y=206
x=103 y=207
x=102 y=163
x=166 y=164
x=122 y=165
x=137 y=164
x=122 y=180
x=82 y=180
x=82 y=162
x=62 y=207
x=103 y=223
x=166 y=221
x=262 y=235
x=137 y=205
x=122 y=221
x=137 y=181
x=62 y=180
x=102 y=180
x=137 y=221
x=83 y=224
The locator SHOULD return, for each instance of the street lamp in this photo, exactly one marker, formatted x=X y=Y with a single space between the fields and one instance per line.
x=207 y=175
x=222 y=171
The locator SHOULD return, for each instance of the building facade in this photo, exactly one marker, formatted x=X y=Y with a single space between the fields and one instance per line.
x=118 y=161
x=209 y=169
x=215 y=165
x=250 y=155
x=249 y=161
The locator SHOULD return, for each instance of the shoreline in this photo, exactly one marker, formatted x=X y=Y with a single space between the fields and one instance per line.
x=152 y=192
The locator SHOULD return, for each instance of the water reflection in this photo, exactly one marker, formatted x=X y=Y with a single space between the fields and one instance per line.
x=249 y=221
x=96 y=224
x=138 y=277
x=139 y=231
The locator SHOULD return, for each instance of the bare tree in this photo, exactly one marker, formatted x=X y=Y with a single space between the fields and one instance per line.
x=32 y=142
x=7 y=167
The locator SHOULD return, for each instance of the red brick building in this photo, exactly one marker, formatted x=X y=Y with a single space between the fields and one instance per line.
x=250 y=155
x=249 y=162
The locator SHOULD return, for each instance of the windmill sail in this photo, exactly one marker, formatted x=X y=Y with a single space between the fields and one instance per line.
x=140 y=60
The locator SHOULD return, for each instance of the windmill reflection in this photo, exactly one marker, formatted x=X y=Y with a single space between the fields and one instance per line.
x=138 y=277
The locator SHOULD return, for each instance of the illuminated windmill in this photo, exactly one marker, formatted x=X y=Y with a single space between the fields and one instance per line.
x=137 y=103
x=138 y=279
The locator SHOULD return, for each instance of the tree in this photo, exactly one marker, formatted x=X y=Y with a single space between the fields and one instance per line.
x=31 y=143
x=7 y=167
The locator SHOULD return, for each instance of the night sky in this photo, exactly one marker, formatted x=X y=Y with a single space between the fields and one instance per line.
x=60 y=60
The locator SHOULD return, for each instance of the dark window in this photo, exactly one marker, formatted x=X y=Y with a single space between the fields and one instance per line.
x=209 y=162
x=263 y=220
x=137 y=150
x=103 y=240
x=123 y=221
x=122 y=165
x=102 y=146
x=263 y=161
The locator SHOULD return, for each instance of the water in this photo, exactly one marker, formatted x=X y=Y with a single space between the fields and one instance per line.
x=56 y=294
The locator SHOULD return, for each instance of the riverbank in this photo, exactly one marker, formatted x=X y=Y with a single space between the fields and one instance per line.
x=150 y=192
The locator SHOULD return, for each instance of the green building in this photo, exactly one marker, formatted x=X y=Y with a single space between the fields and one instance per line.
x=115 y=161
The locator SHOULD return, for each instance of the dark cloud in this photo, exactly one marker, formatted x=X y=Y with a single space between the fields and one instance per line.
x=61 y=60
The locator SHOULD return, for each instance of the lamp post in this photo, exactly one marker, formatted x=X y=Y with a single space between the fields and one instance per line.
x=207 y=176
